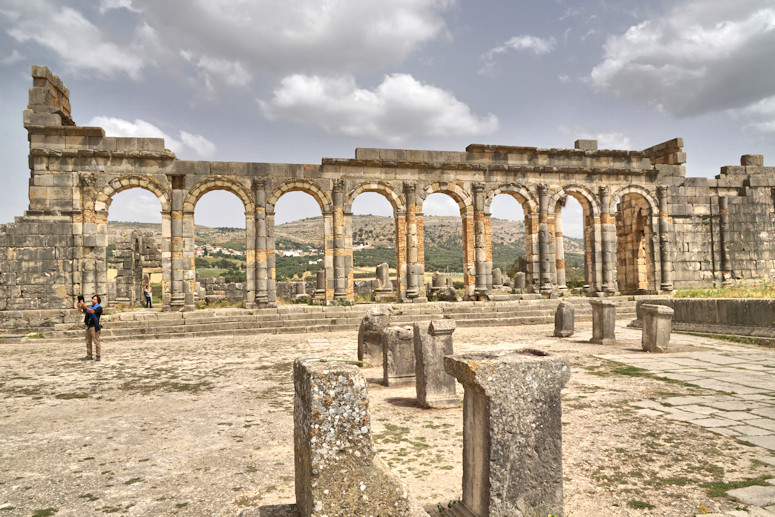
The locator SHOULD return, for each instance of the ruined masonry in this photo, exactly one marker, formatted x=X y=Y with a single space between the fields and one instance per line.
x=338 y=472
x=647 y=228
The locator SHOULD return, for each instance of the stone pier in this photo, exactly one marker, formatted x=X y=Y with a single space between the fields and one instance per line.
x=564 y=319
x=433 y=341
x=603 y=322
x=512 y=433
x=398 y=356
x=338 y=473
x=657 y=323
x=370 y=334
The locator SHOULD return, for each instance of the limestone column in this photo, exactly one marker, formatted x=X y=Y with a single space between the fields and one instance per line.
x=723 y=230
x=177 y=267
x=664 y=241
x=412 y=282
x=543 y=240
x=400 y=242
x=271 y=289
x=559 y=244
x=340 y=251
x=607 y=233
x=260 y=244
x=482 y=268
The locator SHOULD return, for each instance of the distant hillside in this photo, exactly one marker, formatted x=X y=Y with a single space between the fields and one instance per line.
x=368 y=230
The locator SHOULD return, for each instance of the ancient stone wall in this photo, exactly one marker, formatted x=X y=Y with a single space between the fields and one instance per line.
x=646 y=226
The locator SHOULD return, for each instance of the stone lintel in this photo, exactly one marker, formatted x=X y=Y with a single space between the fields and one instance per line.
x=442 y=327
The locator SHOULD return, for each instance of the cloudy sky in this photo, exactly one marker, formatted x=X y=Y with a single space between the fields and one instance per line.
x=279 y=81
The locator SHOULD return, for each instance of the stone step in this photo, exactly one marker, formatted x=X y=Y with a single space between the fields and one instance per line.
x=154 y=324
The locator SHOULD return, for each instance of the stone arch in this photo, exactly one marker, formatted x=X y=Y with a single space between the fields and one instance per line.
x=380 y=187
x=582 y=194
x=219 y=183
x=637 y=240
x=313 y=189
x=105 y=197
x=519 y=192
x=647 y=195
x=461 y=196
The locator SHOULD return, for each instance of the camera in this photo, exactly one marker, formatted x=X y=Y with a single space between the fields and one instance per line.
x=80 y=298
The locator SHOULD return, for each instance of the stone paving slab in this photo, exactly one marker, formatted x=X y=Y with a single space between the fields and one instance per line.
x=744 y=406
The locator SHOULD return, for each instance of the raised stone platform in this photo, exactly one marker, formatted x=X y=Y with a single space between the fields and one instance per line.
x=152 y=324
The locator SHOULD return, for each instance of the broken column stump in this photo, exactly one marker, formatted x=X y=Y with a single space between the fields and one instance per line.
x=657 y=325
x=338 y=473
x=398 y=356
x=433 y=341
x=603 y=322
x=512 y=433
x=564 y=318
x=370 y=334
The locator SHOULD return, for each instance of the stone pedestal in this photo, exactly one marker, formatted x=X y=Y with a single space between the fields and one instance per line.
x=512 y=433
x=603 y=321
x=564 y=320
x=657 y=323
x=383 y=288
x=398 y=356
x=337 y=470
x=370 y=335
x=433 y=341
x=519 y=282
x=300 y=292
x=320 y=287
x=497 y=279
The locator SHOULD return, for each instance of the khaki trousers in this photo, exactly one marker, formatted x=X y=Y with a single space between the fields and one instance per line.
x=92 y=337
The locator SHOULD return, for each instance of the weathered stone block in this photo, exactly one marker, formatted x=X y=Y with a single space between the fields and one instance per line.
x=512 y=433
x=603 y=322
x=564 y=318
x=398 y=356
x=370 y=334
x=754 y=160
x=433 y=341
x=338 y=472
x=657 y=321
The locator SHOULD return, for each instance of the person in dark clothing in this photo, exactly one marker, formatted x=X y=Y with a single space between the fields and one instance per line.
x=91 y=319
x=148 y=293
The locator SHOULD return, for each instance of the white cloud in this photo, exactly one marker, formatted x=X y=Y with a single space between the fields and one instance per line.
x=11 y=59
x=304 y=35
x=698 y=57
x=527 y=43
x=215 y=71
x=759 y=116
x=398 y=109
x=440 y=204
x=187 y=145
x=107 y=5
x=605 y=139
x=78 y=42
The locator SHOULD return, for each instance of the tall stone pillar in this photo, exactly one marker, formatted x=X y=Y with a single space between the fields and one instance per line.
x=482 y=267
x=544 y=239
x=559 y=244
x=271 y=288
x=723 y=231
x=340 y=251
x=261 y=265
x=412 y=280
x=178 y=267
x=607 y=235
x=664 y=241
x=512 y=432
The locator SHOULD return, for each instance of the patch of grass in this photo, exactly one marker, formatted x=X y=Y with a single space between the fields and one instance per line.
x=88 y=497
x=639 y=505
x=132 y=481
x=250 y=469
x=181 y=505
x=763 y=289
x=720 y=488
x=47 y=512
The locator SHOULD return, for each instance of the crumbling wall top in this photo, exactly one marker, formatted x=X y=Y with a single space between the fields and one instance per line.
x=49 y=98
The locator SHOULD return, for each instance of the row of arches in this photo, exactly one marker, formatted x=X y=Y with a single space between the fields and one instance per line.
x=623 y=246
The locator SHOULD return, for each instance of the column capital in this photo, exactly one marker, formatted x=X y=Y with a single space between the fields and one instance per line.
x=477 y=187
x=410 y=186
x=259 y=183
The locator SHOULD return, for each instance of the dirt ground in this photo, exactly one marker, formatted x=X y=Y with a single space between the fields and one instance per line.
x=205 y=427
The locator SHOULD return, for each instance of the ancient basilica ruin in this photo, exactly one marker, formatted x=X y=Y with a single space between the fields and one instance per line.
x=647 y=227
